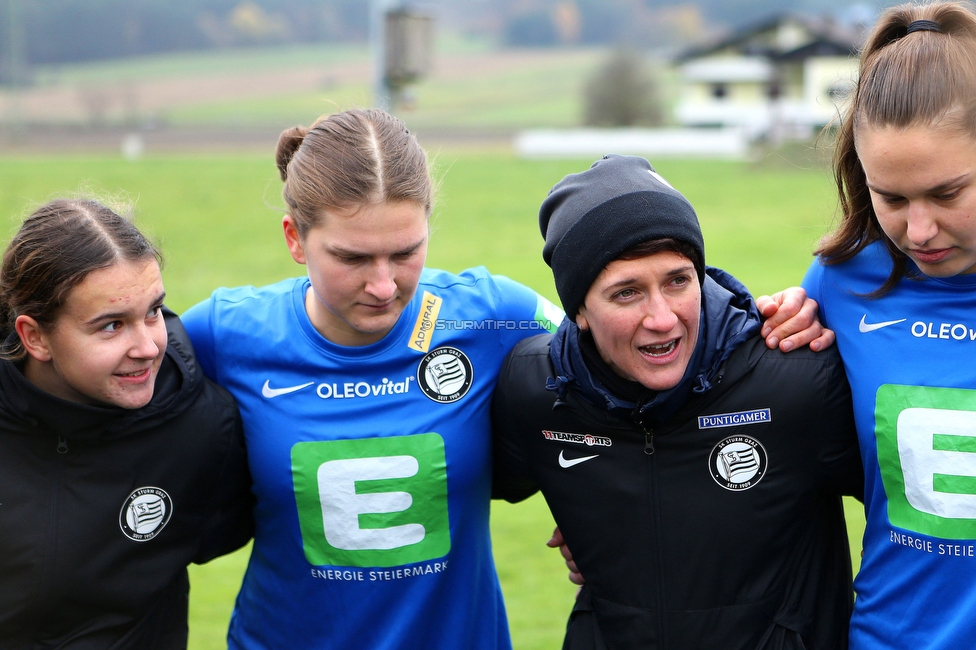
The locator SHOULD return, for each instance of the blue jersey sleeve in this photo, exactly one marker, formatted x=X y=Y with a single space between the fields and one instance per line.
x=199 y=325
x=516 y=300
x=521 y=311
x=813 y=283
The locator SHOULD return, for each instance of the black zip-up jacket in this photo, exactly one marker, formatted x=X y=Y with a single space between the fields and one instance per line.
x=719 y=526
x=102 y=509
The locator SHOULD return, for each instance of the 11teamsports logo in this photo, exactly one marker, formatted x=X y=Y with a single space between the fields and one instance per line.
x=372 y=502
x=927 y=454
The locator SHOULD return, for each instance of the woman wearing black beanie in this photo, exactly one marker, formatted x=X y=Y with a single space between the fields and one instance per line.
x=695 y=474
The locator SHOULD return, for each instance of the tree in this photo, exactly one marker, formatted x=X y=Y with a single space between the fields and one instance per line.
x=622 y=92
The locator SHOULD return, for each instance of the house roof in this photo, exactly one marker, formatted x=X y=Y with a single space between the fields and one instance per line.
x=817 y=37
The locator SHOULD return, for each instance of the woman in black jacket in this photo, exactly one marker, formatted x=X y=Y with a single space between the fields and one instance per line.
x=119 y=462
x=695 y=474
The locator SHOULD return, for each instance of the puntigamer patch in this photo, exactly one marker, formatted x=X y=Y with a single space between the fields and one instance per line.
x=739 y=418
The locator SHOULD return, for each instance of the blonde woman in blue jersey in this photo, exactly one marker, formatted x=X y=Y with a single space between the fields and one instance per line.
x=365 y=390
x=897 y=281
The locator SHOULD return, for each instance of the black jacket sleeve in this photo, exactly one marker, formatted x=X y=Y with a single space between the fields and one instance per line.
x=839 y=454
x=511 y=478
x=229 y=522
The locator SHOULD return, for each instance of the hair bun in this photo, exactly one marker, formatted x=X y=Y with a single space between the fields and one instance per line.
x=288 y=143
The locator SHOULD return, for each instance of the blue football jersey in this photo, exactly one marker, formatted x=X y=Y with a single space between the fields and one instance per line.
x=909 y=357
x=371 y=465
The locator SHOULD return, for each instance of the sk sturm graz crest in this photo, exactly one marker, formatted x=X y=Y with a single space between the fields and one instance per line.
x=145 y=513
x=738 y=462
x=445 y=375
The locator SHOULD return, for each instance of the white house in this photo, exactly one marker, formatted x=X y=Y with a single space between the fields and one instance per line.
x=784 y=77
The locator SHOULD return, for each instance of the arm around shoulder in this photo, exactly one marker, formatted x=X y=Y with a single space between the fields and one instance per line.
x=839 y=453
x=230 y=523
x=512 y=478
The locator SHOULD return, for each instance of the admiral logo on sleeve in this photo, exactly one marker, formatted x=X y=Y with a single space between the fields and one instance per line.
x=423 y=330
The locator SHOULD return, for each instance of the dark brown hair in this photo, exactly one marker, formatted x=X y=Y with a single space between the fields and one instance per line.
x=655 y=246
x=56 y=247
x=349 y=159
x=926 y=78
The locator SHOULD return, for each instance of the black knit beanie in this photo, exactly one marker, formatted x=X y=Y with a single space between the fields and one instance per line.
x=591 y=218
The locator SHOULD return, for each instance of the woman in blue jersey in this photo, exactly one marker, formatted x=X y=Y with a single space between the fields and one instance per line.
x=365 y=390
x=896 y=280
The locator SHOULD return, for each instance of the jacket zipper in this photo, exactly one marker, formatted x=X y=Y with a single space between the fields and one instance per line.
x=62 y=445
x=656 y=517
x=648 y=441
x=638 y=419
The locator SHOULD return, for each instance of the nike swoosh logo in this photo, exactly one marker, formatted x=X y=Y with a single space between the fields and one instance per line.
x=270 y=392
x=566 y=464
x=870 y=327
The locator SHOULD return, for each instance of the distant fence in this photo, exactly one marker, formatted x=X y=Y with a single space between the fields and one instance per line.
x=713 y=143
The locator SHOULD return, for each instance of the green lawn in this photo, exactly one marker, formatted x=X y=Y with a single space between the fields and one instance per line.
x=218 y=222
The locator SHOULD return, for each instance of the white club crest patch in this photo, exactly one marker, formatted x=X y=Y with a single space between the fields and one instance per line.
x=145 y=513
x=445 y=374
x=738 y=462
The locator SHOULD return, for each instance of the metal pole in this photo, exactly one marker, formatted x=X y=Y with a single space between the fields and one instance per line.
x=15 y=38
x=377 y=45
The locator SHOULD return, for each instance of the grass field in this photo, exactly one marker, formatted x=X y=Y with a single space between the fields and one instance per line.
x=218 y=222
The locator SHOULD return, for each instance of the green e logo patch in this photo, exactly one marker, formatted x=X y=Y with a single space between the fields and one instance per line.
x=927 y=453
x=372 y=501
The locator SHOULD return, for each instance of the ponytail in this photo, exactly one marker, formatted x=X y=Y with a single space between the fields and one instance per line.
x=288 y=143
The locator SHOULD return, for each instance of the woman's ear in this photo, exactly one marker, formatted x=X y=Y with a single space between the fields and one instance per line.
x=581 y=321
x=32 y=338
x=292 y=238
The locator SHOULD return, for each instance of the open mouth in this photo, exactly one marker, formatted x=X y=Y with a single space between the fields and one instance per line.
x=659 y=349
